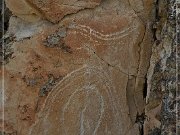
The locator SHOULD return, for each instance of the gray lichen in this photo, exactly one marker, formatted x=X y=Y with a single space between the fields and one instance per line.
x=6 y=50
x=57 y=40
x=47 y=87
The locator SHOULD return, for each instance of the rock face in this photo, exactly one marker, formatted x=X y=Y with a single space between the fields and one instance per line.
x=53 y=10
x=162 y=107
x=83 y=75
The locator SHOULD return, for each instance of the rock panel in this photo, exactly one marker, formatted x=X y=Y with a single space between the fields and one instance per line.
x=83 y=75
x=53 y=10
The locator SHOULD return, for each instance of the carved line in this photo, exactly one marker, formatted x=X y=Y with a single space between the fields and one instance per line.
x=67 y=103
x=52 y=94
x=56 y=91
x=107 y=37
x=101 y=114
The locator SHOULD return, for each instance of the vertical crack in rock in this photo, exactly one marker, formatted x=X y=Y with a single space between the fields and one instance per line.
x=141 y=121
x=6 y=14
x=145 y=88
x=157 y=18
x=4 y=40
x=140 y=118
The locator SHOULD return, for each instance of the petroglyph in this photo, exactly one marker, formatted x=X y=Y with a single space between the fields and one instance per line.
x=88 y=95
x=89 y=32
x=89 y=88
x=96 y=51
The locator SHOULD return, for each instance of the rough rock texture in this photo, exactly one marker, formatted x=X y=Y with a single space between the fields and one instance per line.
x=77 y=67
x=162 y=93
x=5 y=14
x=4 y=23
x=53 y=10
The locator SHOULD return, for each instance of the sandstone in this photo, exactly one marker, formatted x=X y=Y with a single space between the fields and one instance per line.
x=84 y=74
x=53 y=10
x=23 y=9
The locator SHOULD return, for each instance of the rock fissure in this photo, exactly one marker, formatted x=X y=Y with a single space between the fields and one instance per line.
x=137 y=13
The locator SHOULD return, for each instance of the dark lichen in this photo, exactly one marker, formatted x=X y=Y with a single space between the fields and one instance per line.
x=6 y=50
x=47 y=87
x=57 y=40
x=155 y=131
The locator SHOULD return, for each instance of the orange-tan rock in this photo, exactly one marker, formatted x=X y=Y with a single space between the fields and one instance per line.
x=53 y=10
x=84 y=75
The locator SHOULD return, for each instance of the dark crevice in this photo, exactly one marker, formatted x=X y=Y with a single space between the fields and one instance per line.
x=145 y=89
x=157 y=19
x=140 y=118
x=5 y=50
x=5 y=15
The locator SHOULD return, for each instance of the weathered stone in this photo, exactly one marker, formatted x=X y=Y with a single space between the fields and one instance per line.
x=53 y=10
x=24 y=10
x=83 y=75
x=162 y=98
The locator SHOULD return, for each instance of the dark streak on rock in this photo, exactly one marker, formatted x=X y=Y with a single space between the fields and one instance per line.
x=140 y=118
x=6 y=50
x=145 y=89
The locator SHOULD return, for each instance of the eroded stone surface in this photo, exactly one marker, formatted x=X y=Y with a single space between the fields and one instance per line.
x=24 y=10
x=84 y=75
x=162 y=98
x=53 y=10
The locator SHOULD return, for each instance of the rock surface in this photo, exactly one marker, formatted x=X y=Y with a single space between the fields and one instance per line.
x=162 y=107
x=53 y=10
x=77 y=67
